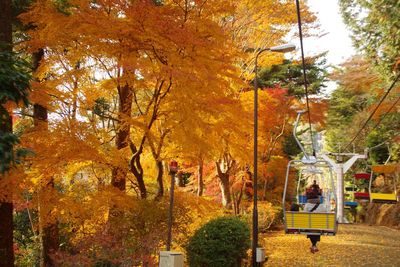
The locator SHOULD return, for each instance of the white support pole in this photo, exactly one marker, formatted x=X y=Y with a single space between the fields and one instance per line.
x=340 y=170
x=347 y=165
x=330 y=161
x=340 y=192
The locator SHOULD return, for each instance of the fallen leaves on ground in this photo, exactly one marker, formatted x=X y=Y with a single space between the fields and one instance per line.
x=354 y=245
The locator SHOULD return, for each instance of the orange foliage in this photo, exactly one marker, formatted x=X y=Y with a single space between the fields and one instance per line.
x=357 y=75
x=318 y=109
x=179 y=62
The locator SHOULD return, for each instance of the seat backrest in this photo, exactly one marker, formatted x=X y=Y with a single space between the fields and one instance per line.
x=316 y=221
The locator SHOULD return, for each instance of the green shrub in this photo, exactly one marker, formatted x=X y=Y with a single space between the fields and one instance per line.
x=221 y=242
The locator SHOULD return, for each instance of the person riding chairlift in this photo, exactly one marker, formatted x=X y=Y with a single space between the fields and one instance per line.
x=313 y=194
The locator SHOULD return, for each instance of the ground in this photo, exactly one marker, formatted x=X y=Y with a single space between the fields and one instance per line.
x=354 y=245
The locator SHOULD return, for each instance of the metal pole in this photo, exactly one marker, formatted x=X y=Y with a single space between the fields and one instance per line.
x=340 y=192
x=255 y=210
x=255 y=135
x=281 y=49
x=295 y=134
x=171 y=205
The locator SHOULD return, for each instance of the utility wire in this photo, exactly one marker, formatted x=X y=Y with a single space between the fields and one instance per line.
x=304 y=74
x=373 y=112
x=386 y=113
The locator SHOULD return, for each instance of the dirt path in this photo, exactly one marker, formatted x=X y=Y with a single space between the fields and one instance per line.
x=354 y=245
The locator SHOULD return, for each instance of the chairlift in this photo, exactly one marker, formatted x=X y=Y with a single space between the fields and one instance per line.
x=362 y=176
x=350 y=204
x=361 y=195
x=359 y=177
x=350 y=190
x=301 y=222
x=387 y=173
x=310 y=223
x=354 y=190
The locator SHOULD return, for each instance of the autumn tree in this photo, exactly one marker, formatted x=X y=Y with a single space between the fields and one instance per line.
x=252 y=27
x=14 y=85
x=375 y=30
x=289 y=75
x=48 y=229
x=148 y=68
x=265 y=24
x=201 y=137
x=276 y=117
x=6 y=206
x=352 y=102
x=128 y=85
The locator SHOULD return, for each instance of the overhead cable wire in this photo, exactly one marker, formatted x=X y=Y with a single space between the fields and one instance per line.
x=386 y=113
x=304 y=74
x=373 y=112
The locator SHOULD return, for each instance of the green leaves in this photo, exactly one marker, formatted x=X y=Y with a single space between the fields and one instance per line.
x=221 y=242
x=14 y=78
x=101 y=107
x=289 y=75
x=9 y=156
x=14 y=87
x=376 y=30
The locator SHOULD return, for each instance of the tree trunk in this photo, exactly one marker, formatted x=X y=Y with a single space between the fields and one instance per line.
x=265 y=189
x=159 y=165
x=118 y=178
x=224 y=168
x=142 y=186
x=137 y=170
x=200 y=182
x=5 y=23
x=6 y=206
x=238 y=199
x=225 y=190
x=6 y=234
x=160 y=168
x=50 y=244
x=48 y=230
x=234 y=201
x=134 y=164
x=6 y=212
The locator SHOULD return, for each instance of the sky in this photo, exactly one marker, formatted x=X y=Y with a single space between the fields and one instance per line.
x=337 y=38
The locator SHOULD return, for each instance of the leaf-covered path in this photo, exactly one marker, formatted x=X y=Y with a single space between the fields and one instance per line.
x=354 y=245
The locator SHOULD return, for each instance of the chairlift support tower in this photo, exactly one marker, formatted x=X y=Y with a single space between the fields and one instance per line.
x=340 y=169
x=337 y=166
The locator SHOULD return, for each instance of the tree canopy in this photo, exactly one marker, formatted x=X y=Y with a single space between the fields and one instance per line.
x=375 y=27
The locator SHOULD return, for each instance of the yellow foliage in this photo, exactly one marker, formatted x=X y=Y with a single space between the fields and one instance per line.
x=348 y=248
x=179 y=63
x=387 y=169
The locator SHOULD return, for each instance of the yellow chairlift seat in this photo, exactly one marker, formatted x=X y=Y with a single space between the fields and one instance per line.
x=298 y=222
x=311 y=222
x=378 y=197
x=383 y=198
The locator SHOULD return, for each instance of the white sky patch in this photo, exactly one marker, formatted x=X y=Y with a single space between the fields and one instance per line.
x=335 y=37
